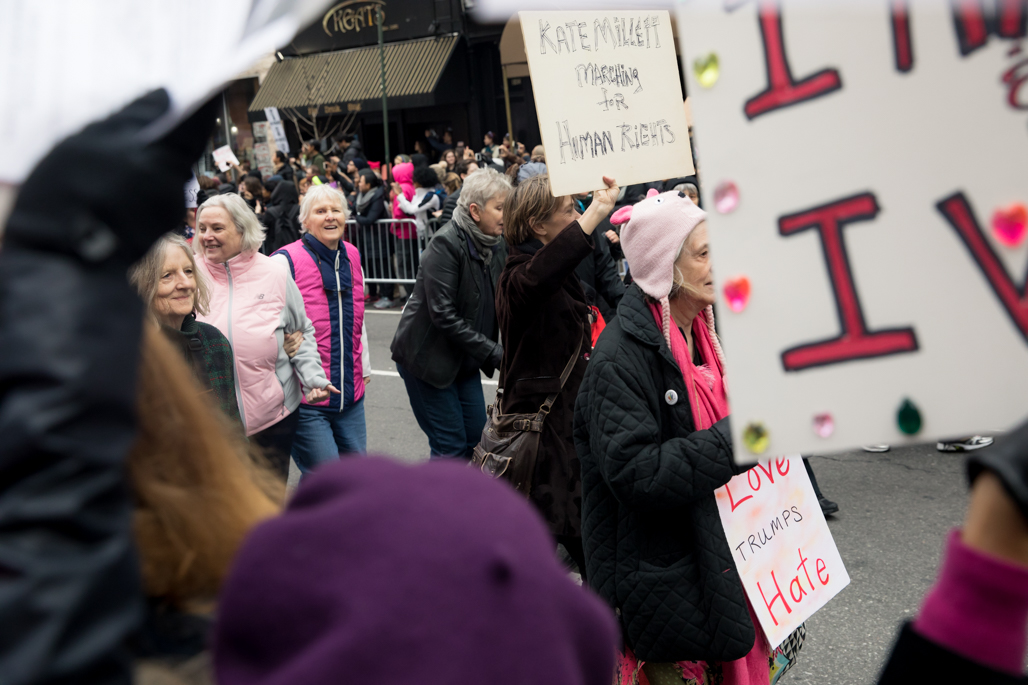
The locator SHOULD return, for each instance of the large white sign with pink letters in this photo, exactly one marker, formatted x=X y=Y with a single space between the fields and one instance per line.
x=865 y=170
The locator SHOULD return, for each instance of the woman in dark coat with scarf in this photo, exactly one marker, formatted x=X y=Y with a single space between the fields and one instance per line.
x=545 y=320
x=371 y=238
x=276 y=219
x=651 y=428
x=447 y=335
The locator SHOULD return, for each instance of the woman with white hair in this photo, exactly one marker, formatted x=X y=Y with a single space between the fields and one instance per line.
x=448 y=334
x=327 y=270
x=652 y=434
x=255 y=304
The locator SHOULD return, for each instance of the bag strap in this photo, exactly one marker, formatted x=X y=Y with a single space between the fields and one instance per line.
x=548 y=404
x=565 y=374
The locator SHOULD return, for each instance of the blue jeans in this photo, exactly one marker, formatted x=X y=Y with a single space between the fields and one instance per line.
x=452 y=417
x=322 y=436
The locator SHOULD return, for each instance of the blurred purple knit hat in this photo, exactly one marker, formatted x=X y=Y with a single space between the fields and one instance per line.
x=384 y=573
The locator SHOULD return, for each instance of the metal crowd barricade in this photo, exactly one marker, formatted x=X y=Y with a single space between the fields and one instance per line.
x=385 y=257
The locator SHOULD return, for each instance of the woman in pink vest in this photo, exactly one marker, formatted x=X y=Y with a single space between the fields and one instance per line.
x=327 y=270
x=255 y=303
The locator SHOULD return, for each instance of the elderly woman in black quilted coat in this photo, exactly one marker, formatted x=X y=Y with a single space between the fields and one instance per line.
x=651 y=431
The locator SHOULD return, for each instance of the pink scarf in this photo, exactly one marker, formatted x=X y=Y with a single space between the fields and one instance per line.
x=705 y=384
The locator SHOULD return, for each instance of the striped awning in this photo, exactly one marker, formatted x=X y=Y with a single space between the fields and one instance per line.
x=351 y=80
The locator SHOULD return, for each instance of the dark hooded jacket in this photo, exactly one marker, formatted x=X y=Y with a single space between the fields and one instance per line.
x=599 y=276
x=276 y=218
x=543 y=316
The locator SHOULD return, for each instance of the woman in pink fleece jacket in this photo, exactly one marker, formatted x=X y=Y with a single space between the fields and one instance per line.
x=255 y=303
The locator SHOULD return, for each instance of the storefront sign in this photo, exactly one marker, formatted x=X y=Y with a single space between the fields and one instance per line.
x=864 y=167
x=781 y=544
x=354 y=23
x=607 y=94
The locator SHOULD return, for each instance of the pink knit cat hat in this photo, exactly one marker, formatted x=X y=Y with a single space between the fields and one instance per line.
x=653 y=233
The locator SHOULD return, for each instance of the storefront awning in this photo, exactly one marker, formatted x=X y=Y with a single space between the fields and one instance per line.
x=419 y=73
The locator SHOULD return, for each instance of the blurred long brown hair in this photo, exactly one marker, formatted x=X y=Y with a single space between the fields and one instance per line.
x=198 y=487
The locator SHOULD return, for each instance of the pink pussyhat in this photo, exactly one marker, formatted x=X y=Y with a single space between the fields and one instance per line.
x=653 y=234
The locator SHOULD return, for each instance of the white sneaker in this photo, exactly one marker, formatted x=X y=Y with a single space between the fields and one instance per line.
x=975 y=442
x=876 y=448
x=384 y=303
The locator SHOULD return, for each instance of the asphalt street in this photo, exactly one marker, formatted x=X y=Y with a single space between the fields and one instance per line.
x=895 y=510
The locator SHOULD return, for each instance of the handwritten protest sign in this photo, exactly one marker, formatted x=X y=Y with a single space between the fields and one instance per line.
x=262 y=148
x=278 y=132
x=864 y=167
x=191 y=190
x=224 y=157
x=608 y=97
x=781 y=544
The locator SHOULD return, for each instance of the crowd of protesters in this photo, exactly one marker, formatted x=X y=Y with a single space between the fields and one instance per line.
x=149 y=421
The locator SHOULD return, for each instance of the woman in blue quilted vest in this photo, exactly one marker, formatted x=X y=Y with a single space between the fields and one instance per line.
x=327 y=270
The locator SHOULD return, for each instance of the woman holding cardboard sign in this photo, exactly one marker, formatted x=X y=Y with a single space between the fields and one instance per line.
x=651 y=429
x=545 y=329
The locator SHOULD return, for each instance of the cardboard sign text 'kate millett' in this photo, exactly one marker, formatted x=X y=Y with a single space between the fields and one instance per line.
x=608 y=97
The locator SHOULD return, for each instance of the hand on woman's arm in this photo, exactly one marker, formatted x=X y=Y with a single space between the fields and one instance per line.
x=601 y=206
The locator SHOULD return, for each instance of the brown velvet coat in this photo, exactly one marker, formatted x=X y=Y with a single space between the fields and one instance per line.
x=542 y=314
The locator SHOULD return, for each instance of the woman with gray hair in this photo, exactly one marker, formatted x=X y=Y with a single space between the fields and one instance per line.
x=255 y=303
x=447 y=334
x=174 y=293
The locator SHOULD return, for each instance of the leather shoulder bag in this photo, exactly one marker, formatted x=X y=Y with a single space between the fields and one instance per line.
x=509 y=447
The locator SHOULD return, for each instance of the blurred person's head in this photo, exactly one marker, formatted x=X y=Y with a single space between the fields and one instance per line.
x=368 y=180
x=425 y=177
x=451 y=183
x=198 y=487
x=465 y=167
x=376 y=573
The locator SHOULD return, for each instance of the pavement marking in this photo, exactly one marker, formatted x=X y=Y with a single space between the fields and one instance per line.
x=394 y=312
x=394 y=374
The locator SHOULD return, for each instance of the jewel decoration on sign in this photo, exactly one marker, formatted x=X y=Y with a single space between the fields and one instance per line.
x=707 y=69
x=737 y=292
x=824 y=425
x=1010 y=224
x=908 y=418
x=756 y=438
x=726 y=197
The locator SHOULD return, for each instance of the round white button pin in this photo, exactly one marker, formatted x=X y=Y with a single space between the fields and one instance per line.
x=671 y=397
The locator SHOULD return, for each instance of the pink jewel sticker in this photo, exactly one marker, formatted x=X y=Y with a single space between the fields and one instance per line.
x=737 y=292
x=824 y=425
x=726 y=197
x=1010 y=224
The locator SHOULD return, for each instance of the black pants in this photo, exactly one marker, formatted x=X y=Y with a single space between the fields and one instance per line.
x=813 y=479
x=378 y=265
x=574 y=548
x=277 y=442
